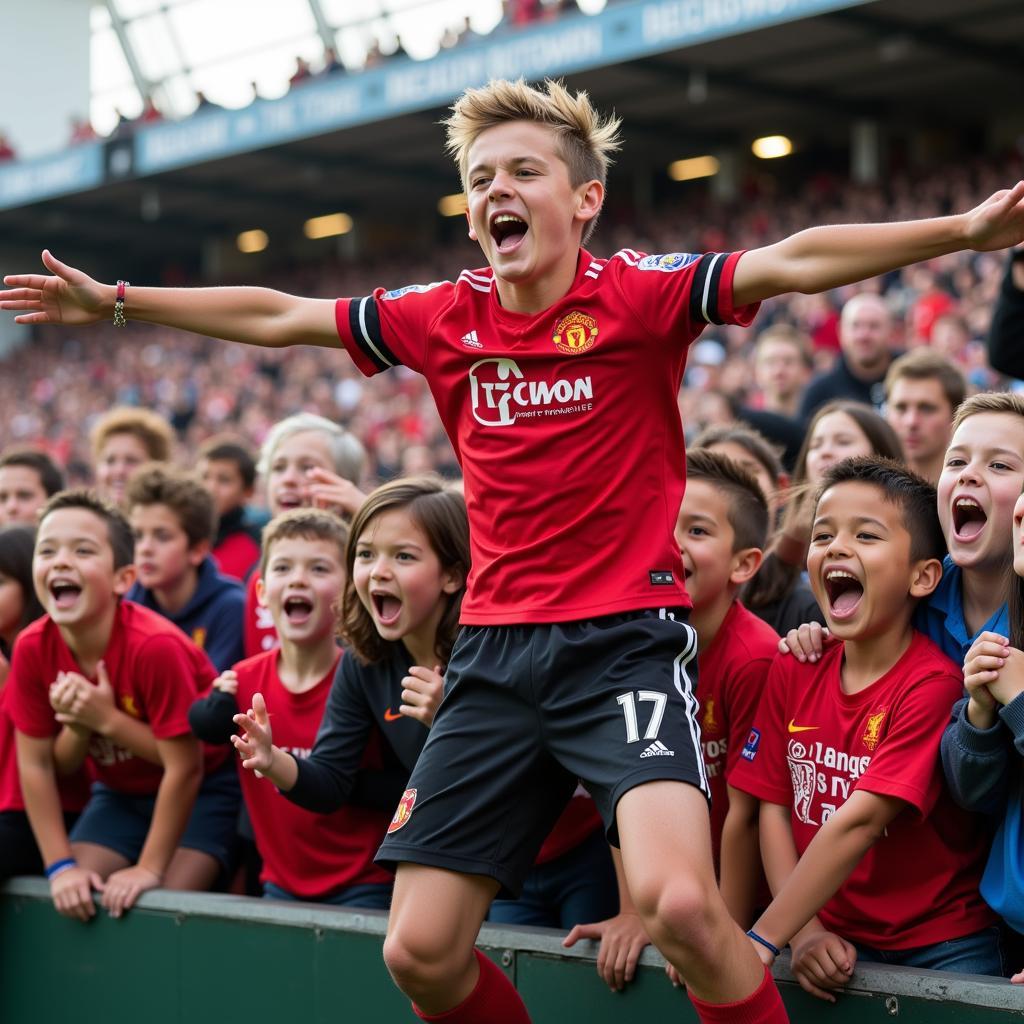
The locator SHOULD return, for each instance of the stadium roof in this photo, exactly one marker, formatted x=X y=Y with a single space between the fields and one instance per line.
x=946 y=65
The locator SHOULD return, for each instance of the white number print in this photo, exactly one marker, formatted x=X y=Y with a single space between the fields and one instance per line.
x=629 y=701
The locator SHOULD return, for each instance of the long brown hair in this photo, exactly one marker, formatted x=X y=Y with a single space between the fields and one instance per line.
x=440 y=512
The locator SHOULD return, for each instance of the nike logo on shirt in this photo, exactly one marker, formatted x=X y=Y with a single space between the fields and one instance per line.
x=390 y=716
x=802 y=728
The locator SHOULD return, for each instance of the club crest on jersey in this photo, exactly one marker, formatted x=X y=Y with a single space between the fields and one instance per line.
x=403 y=812
x=668 y=262
x=873 y=729
x=575 y=333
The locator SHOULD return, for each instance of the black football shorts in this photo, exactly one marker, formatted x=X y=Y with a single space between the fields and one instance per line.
x=528 y=711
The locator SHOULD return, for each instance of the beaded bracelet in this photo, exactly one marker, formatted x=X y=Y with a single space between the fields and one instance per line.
x=774 y=950
x=119 y=317
x=58 y=867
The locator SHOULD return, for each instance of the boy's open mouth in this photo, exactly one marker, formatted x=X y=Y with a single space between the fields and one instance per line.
x=844 y=592
x=508 y=231
x=65 y=594
x=387 y=607
x=298 y=609
x=968 y=518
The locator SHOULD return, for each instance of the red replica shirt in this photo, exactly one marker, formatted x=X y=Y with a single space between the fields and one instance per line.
x=565 y=424
x=259 y=632
x=236 y=555
x=812 y=745
x=309 y=855
x=74 y=791
x=156 y=673
x=731 y=675
x=576 y=824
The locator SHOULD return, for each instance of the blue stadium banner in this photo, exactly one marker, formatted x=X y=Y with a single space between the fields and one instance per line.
x=621 y=32
x=72 y=170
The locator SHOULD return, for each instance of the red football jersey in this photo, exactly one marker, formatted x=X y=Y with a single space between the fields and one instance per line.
x=156 y=673
x=812 y=745
x=74 y=791
x=259 y=632
x=731 y=674
x=309 y=855
x=236 y=555
x=565 y=423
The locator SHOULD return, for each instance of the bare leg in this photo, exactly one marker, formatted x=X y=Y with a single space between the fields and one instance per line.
x=666 y=854
x=100 y=859
x=435 y=918
x=191 y=871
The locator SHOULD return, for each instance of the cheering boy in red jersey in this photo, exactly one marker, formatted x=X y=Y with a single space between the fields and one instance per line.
x=139 y=675
x=541 y=364
x=844 y=754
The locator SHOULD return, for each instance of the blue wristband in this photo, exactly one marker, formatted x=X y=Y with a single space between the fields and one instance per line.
x=59 y=866
x=774 y=950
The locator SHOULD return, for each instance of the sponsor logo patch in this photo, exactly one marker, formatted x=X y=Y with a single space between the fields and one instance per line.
x=668 y=262
x=660 y=578
x=575 y=333
x=749 y=751
x=397 y=293
x=403 y=812
x=501 y=394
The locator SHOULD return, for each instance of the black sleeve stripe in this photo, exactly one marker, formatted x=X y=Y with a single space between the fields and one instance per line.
x=704 y=288
x=364 y=323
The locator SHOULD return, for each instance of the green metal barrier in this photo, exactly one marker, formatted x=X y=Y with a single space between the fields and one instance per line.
x=186 y=958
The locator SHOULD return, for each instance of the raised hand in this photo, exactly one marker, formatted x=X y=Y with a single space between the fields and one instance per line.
x=332 y=492
x=67 y=297
x=422 y=690
x=998 y=222
x=982 y=666
x=255 y=745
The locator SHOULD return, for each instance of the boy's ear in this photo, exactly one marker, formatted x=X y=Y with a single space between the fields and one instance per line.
x=745 y=564
x=123 y=579
x=197 y=552
x=261 y=592
x=589 y=200
x=472 y=233
x=925 y=576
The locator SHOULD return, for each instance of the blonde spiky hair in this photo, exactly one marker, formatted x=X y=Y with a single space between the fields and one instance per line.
x=586 y=139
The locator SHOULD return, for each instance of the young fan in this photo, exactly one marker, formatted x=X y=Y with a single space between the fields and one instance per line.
x=563 y=351
x=317 y=857
x=306 y=461
x=171 y=516
x=122 y=440
x=103 y=680
x=866 y=854
x=228 y=471
x=28 y=478
x=19 y=606
x=407 y=560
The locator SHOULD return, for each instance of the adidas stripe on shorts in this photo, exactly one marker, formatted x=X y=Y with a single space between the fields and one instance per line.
x=528 y=711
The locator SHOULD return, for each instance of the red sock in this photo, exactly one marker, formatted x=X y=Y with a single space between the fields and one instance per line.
x=762 y=1006
x=493 y=1001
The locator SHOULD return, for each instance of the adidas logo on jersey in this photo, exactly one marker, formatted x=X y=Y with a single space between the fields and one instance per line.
x=472 y=340
x=658 y=749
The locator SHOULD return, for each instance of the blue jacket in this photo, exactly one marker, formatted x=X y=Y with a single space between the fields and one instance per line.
x=213 y=616
x=985 y=772
x=941 y=616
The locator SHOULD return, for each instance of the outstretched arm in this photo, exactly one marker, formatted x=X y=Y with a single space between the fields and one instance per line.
x=826 y=257
x=258 y=316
